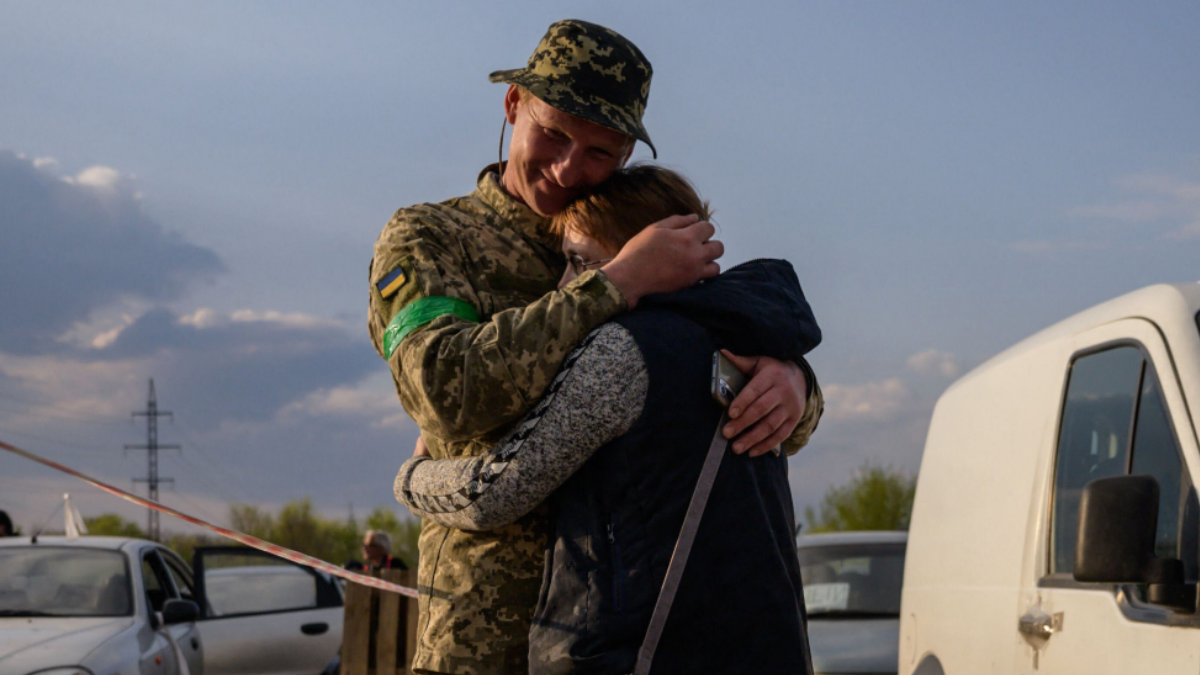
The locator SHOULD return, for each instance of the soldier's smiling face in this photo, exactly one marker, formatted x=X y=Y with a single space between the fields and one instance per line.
x=555 y=157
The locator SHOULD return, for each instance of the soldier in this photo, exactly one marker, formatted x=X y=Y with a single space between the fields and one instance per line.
x=464 y=309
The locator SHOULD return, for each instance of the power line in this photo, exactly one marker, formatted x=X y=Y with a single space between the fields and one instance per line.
x=152 y=479
x=197 y=507
x=198 y=473
x=223 y=472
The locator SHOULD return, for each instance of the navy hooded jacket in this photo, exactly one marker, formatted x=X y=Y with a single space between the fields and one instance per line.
x=740 y=605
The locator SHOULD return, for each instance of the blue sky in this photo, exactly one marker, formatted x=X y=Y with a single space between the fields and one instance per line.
x=191 y=194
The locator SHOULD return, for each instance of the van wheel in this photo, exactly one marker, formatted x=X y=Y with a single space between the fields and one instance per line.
x=929 y=666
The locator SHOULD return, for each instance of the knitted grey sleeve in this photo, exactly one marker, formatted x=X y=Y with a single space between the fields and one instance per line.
x=597 y=396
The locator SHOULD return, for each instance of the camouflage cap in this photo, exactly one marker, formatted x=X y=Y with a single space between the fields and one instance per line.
x=591 y=72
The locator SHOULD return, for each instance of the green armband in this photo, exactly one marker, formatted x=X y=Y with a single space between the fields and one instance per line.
x=420 y=312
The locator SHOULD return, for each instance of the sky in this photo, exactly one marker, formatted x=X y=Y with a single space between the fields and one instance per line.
x=191 y=193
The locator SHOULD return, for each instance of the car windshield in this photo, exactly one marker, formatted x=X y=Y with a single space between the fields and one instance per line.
x=63 y=581
x=852 y=580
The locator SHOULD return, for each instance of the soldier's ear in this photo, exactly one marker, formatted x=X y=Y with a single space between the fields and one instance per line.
x=512 y=101
x=628 y=152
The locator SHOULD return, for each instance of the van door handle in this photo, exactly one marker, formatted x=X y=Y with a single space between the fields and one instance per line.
x=1037 y=623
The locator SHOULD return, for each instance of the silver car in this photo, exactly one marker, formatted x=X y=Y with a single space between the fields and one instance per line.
x=852 y=583
x=119 y=606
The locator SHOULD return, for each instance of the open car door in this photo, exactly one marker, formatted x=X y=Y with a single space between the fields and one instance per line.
x=262 y=615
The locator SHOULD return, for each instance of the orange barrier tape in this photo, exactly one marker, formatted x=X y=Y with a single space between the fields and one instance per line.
x=253 y=542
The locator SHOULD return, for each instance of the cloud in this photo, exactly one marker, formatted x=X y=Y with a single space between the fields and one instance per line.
x=220 y=367
x=56 y=389
x=269 y=405
x=884 y=422
x=72 y=246
x=1046 y=246
x=880 y=401
x=207 y=318
x=103 y=178
x=242 y=365
x=372 y=401
x=1171 y=203
x=1189 y=231
x=933 y=363
x=303 y=424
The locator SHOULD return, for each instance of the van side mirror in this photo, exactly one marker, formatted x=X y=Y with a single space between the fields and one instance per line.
x=1115 y=541
x=1117 y=517
x=180 y=611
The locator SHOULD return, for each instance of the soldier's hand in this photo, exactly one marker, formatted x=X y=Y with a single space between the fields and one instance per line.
x=769 y=407
x=669 y=255
x=421 y=450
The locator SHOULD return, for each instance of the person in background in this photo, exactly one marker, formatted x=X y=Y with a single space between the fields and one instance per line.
x=6 y=526
x=377 y=551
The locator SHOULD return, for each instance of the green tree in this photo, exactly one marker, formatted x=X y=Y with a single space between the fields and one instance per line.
x=186 y=544
x=298 y=527
x=113 y=525
x=876 y=498
x=251 y=520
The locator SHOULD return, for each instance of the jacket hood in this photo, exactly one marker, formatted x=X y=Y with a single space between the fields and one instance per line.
x=753 y=309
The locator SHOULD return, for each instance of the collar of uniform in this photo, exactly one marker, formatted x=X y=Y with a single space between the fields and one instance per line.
x=520 y=217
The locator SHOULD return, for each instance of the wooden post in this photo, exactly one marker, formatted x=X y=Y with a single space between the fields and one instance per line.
x=356 y=630
x=388 y=641
x=380 y=628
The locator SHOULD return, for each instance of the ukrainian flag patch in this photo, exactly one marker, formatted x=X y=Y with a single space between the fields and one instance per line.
x=391 y=282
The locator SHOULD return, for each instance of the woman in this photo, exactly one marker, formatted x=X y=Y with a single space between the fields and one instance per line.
x=617 y=444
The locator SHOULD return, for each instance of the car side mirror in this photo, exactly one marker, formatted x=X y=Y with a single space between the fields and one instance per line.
x=1115 y=541
x=180 y=611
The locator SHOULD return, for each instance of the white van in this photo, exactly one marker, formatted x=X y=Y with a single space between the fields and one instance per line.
x=1056 y=524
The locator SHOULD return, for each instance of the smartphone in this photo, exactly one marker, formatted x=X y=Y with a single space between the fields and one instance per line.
x=727 y=380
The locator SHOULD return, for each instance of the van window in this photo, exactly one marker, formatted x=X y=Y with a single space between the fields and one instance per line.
x=1115 y=422
x=1093 y=440
x=1156 y=453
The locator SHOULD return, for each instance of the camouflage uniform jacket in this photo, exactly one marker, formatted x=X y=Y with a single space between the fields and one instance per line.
x=467 y=377
x=465 y=382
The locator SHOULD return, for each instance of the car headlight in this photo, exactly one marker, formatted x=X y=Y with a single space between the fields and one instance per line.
x=63 y=670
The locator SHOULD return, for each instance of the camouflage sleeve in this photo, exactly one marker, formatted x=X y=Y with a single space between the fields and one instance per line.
x=599 y=394
x=813 y=408
x=461 y=375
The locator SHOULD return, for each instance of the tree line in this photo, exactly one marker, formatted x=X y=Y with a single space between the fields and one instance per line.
x=296 y=526
x=875 y=498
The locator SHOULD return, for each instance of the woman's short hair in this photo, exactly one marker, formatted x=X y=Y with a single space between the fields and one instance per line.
x=630 y=200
